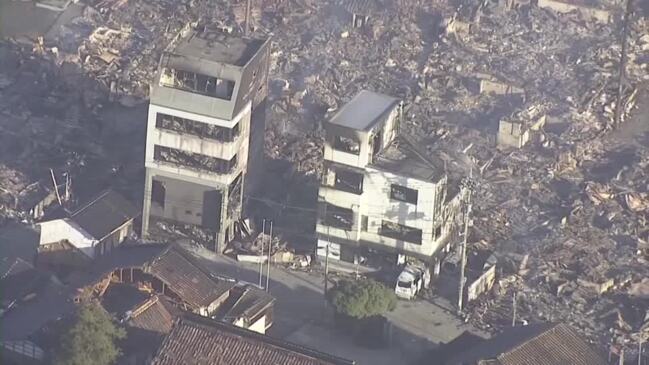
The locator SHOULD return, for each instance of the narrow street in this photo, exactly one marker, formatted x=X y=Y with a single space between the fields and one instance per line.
x=301 y=315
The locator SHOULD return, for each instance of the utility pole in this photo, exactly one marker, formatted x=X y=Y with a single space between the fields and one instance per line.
x=468 y=187
x=326 y=283
x=640 y=352
x=270 y=246
x=68 y=186
x=326 y=268
x=261 y=256
x=56 y=187
x=514 y=305
x=247 y=21
x=623 y=59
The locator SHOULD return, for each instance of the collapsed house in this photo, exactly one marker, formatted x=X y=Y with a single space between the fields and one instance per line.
x=146 y=287
x=379 y=191
x=205 y=129
x=171 y=272
x=519 y=128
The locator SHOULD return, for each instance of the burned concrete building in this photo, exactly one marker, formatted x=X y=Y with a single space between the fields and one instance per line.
x=205 y=129
x=379 y=192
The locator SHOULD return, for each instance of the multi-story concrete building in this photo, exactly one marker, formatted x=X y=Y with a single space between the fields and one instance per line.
x=379 y=192
x=205 y=129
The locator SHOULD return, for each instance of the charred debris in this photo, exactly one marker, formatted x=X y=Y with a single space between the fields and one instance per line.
x=541 y=100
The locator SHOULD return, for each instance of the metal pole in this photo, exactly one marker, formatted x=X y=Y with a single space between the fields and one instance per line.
x=261 y=257
x=460 y=299
x=270 y=245
x=326 y=284
x=56 y=188
x=246 y=25
x=514 y=310
x=623 y=60
x=640 y=352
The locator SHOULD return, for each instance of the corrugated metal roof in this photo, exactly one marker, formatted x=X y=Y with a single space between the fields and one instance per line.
x=200 y=340
x=361 y=7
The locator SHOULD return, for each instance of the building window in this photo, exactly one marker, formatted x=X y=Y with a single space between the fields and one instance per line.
x=195 y=161
x=346 y=144
x=437 y=232
x=400 y=232
x=338 y=217
x=404 y=194
x=196 y=128
x=351 y=182
x=197 y=83
x=364 y=223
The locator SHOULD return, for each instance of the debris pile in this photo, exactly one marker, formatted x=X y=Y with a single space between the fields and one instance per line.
x=573 y=198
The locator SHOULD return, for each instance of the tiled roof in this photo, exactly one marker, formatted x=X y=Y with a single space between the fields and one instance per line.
x=180 y=272
x=246 y=302
x=200 y=340
x=557 y=345
x=13 y=265
x=104 y=214
x=538 y=344
x=154 y=315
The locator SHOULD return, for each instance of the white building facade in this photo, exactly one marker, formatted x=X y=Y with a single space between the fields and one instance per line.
x=379 y=193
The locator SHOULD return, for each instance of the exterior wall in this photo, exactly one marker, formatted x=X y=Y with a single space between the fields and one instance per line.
x=259 y=326
x=115 y=238
x=388 y=128
x=432 y=214
x=517 y=134
x=378 y=206
x=64 y=229
x=195 y=144
x=374 y=204
x=194 y=196
x=188 y=186
x=511 y=134
x=601 y=15
x=187 y=201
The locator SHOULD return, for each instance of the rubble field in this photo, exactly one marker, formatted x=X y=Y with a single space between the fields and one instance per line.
x=566 y=214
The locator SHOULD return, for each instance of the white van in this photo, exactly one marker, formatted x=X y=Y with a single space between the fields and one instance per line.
x=411 y=280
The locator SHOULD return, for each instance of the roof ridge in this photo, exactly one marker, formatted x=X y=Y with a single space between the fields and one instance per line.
x=93 y=201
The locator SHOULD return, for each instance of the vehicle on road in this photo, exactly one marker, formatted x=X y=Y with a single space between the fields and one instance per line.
x=411 y=281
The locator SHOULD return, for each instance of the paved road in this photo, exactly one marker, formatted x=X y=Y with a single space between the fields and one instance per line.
x=301 y=316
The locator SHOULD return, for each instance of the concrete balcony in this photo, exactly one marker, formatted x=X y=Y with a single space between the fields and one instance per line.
x=194 y=144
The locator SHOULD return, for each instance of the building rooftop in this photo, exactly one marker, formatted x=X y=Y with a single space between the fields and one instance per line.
x=201 y=340
x=538 y=344
x=155 y=315
x=215 y=46
x=361 y=7
x=403 y=157
x=245 y=302
x=364 y=110
x=104 y=214
x=185 y=277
